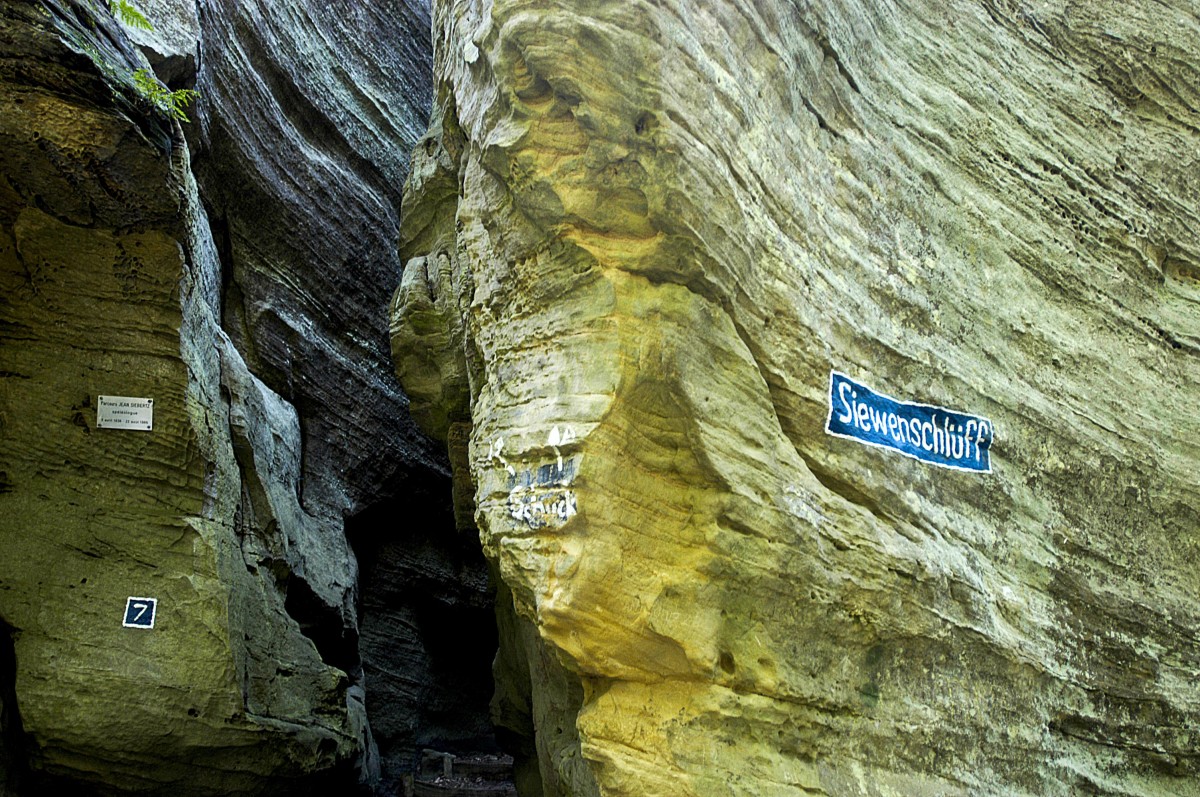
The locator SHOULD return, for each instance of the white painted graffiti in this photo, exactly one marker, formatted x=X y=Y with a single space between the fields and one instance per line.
x=541 y=497
x=494 y=453
x=537 y=507
x=557 y=439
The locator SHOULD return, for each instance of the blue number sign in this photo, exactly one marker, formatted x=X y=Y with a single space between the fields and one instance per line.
x=139 y=612
x=922 y=431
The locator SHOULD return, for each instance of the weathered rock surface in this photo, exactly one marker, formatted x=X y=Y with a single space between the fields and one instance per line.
x=276 y=415
x=172 y=43
x=111 y=289
x=310 y=110
x=638 y=239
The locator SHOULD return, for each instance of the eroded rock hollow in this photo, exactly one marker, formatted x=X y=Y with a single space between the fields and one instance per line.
x=640 y=239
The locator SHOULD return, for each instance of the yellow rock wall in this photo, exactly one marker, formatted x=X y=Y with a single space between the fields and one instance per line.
x=638 y=238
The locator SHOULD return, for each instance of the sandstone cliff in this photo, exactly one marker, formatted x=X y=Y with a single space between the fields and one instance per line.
x=638 y=242
x=639 y=237
x=244 y=291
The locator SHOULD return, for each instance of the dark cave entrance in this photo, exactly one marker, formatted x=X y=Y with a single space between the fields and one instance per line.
x=427 y=628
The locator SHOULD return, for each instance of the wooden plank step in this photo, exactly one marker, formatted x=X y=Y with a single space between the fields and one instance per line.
x=463 y=787
x=496 y=767
x=486 y=765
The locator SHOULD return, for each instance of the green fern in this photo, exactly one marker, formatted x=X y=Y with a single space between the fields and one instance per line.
x=170 y=102
x=125 y=11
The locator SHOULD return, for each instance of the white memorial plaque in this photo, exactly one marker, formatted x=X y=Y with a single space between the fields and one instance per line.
x=125 y=412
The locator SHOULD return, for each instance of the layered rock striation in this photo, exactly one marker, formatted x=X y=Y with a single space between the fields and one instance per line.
x=640 y=237
x=309 y=112
x=112 y=290
x=248 y=306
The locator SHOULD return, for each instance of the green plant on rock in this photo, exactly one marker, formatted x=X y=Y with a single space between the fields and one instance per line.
x=145 y=82
x=128 y=14
x=170 y=102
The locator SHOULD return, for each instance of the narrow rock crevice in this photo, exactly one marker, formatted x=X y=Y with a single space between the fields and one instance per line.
x=428 y=629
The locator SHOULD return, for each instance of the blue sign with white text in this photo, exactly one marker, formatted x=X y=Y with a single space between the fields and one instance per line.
x=139 y=613
x=921 y=431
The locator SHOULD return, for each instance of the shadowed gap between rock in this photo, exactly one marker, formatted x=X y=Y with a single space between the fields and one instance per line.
x=13 y=749
x=336 y=644
x=428 y=635
x=18 y=773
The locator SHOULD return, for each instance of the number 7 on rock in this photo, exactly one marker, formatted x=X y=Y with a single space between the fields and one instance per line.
x=139 y=612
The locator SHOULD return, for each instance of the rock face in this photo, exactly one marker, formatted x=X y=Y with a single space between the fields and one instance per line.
x=638 y=239
x=111 y=289
x=304 y=130
x=250 y=305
